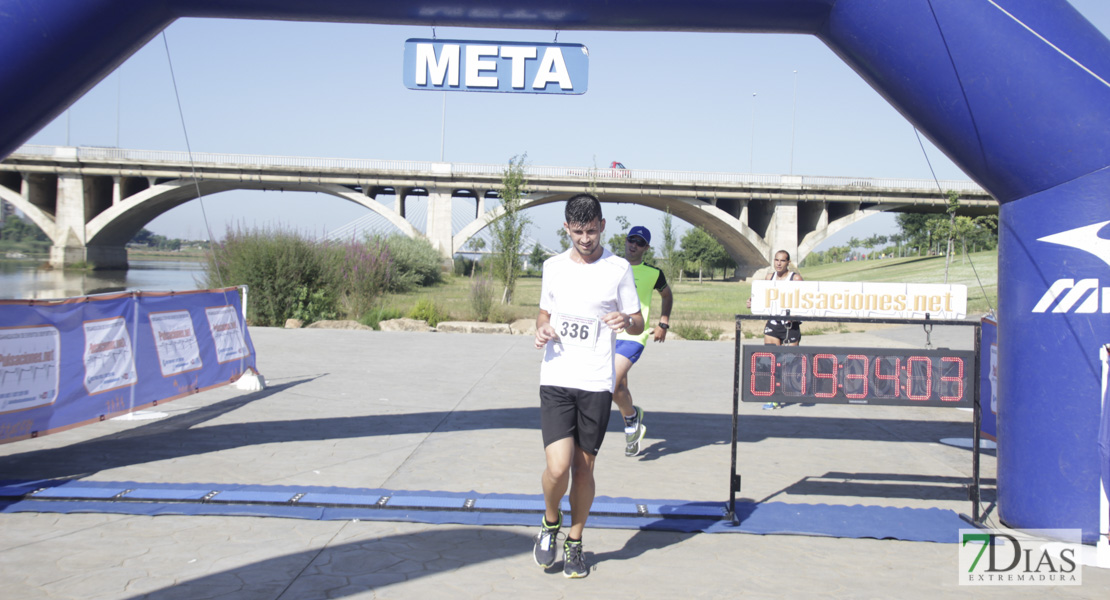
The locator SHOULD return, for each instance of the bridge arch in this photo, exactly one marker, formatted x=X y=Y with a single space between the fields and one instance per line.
x=742 y=243
x=118 y=224
x=39 y=217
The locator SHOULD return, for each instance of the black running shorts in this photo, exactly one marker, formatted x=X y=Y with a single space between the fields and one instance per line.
x=790 y=332
x=569 y=412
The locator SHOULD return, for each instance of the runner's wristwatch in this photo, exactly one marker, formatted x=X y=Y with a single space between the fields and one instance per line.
x=664 y=325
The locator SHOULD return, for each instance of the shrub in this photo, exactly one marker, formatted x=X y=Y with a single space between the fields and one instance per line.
x=696 y=331
x=502 y=313
x=466 y=267
x=280 y=267
x=292 y=276
x=426 y=310
x=416 y=262
x=315 y=306
x=481 y=297
x=362 y=272
x=375 y=316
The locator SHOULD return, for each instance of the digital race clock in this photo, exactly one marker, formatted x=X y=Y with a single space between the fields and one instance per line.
x=891 y=376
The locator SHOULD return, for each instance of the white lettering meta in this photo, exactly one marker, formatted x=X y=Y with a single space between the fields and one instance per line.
x=553 y=69
x=518 y=54
x=436 y=70
x=475 y=65
x=447 y=66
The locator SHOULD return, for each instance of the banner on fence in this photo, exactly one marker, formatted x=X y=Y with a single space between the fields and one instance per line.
x=1104 y=458
x=71 y=362
x=988 y=379
x=859 y=299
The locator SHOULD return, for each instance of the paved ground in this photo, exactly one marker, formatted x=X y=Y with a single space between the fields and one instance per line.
x=458 y=413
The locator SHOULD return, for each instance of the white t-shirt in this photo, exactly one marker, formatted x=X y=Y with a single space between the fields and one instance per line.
x=576 y=296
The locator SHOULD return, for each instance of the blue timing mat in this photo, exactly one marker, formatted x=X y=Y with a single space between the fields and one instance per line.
x=470 y=508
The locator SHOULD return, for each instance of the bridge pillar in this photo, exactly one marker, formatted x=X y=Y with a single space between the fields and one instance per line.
x=439 y=222
x=399 y=205
x=76 y=203
x=782 y=231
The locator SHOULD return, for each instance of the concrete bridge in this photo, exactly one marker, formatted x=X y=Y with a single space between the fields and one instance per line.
x=91 y=201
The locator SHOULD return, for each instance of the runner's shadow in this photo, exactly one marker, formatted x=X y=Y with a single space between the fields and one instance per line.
x=641 y=542
x=355 y=567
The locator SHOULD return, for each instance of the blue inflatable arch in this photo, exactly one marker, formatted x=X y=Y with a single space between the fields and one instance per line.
x=1015 y=92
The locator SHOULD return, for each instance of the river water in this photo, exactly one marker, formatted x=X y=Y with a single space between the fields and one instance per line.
x=24 y=280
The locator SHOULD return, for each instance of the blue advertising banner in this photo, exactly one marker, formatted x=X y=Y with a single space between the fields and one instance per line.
x=71 y=362
x=1104 y=452
x=484 y=66
x=988 y=379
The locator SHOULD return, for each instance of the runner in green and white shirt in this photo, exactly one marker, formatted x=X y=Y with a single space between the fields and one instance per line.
x=630 y=347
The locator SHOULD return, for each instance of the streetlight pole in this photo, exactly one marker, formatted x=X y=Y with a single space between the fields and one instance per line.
x=442 y=125
x=793 y=121
x=751 y=155
x=119 y=92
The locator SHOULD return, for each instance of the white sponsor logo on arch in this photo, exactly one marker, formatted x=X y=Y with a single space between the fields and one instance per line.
x=1083 y=296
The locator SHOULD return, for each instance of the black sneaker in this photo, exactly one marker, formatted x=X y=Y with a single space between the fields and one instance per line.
x=547 y=549
x=634 y=434
x=574 y=563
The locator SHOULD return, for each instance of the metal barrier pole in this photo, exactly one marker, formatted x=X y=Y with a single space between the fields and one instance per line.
x=974 y=491
x=243 y=288
x=734 y=479
x=977 y=419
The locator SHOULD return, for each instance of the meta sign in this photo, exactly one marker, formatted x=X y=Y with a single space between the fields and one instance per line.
x=473 y=66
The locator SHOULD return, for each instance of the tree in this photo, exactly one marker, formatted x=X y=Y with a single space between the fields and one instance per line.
x=507 y=231
x=668 y=248
x=616 y=241
x=16 y=229
x=144 y=237
x=564 y=239
x=536 y=258
x=872 y=242
x=701 y=249
x=953 y=206
x=476 y=244
x=915 y=231
x=897 y=240
x=838 y=253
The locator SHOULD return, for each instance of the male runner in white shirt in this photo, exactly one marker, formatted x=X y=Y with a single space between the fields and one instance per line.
x=588 y=295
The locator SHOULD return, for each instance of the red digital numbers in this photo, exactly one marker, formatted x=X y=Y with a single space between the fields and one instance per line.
x=758 y=375
x=890 y=380
x=957 y=379
x=876 y=375
x=919 y=381
x=856 y=372
x=795 y=373
x=829 y=374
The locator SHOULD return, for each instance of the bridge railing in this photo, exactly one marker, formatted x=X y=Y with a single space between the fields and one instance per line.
x=494 y=170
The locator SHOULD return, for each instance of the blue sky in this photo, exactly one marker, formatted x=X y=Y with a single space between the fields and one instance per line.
x=677 y=101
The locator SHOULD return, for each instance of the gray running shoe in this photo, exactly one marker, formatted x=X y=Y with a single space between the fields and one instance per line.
x=547 y=549
x=634 y=434
x=574 y=563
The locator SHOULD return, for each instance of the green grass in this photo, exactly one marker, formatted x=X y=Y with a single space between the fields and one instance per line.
x=714 y=304
x=925 y=269
x=452 y=296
